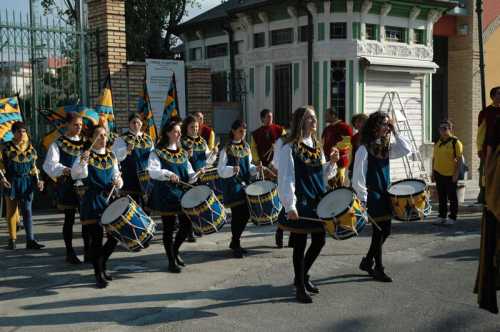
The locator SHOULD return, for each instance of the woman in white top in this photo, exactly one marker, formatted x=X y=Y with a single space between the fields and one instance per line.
x=169 y=169
x=303 y=173
x=371 y=178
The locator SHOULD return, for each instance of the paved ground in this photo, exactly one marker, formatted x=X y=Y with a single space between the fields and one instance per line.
x=433 y=268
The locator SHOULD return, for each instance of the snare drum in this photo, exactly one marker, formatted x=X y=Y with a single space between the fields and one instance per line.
x=211 y=179
x=125 y=220
x=204 y=210
x=410 y=199
x=343 y=214
x=264 y=204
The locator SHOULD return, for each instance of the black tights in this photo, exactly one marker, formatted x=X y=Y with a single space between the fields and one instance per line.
x=98 y=253
x=239 y=220
x=378 y=239
x=69 y=221
x=302 y=263
x=172 y=246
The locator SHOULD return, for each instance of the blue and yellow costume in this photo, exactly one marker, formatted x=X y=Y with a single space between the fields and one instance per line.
x=134 y=164
x=199 y=147
x=18 y=163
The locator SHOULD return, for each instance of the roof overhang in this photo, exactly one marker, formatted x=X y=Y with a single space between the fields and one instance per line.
x=399 y=65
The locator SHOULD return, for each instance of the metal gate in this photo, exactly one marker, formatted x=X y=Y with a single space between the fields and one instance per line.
x=41 y=62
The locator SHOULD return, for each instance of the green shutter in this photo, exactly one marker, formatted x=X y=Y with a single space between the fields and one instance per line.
x=338 y=6
x=325 y=86
x=377 y=32
x=252 y=80
x=321 y=31
x=350 y=111
x=356 y=30
x=361 y=89
x=296 y=77
x=268 y=81
x=316 y=86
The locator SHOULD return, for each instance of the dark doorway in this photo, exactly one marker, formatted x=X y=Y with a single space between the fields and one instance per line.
x=439 y=85
x=282 y=94
x=337 y=88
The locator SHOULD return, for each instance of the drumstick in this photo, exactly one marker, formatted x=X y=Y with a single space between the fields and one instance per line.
x=373 y=222
x=110 y=193
x=270 y=171
x=90 y=148
x=185 y=184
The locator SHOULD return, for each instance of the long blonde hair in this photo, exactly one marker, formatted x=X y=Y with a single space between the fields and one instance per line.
x=297 y=126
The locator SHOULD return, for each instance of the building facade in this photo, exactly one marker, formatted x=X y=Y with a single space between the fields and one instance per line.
x=341 y=54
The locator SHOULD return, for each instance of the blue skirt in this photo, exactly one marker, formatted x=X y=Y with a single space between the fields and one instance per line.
x=65 y=193
x=92 y=206
x=301 y=226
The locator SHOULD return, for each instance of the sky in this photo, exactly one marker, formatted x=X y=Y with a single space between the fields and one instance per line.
x=23 y=5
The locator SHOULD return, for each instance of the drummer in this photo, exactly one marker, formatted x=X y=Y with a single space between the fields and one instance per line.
x=199 y=154
x=371 y=178
x=170 y=170
x=132 y=151
x=301 y=182
x=205 y=131
x=262 y=145
x=58 y=162
x=235 y=167
x=98 y=168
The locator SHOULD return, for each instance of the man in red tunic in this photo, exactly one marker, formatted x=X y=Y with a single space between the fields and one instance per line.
x=205 y=131
x=262 y=146
x=337 y=134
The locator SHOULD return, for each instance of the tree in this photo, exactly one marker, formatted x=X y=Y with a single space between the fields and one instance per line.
x=150 y=24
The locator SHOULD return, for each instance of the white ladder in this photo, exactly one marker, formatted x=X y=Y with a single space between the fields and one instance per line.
x=395 y=108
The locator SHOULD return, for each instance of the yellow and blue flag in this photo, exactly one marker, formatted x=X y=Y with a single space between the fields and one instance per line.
x=171 y=106
x=104 y=106
x=9 y=113
x=146 y=113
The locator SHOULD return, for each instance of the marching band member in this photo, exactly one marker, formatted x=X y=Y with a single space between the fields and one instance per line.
x=170 y=162
x=58 y=162
x=262 y=145
x=20 y=178
x=301 y=182
x=235 y=167
x=98 y=169
x=132 y=151
x=205 y=131
x=199 y=153
x=371 y=178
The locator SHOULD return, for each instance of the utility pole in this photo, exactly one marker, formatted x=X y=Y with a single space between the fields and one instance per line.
x=479 y=11
x=82 y=53
x=34 y=71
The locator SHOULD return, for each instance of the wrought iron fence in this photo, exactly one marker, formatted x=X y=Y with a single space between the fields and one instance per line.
x=40 y=63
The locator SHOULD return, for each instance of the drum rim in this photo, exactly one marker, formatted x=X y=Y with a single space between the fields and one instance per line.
x=264 y=181
x=130 y=200
x=343 y=211
x=404 y=196
x=211 y=192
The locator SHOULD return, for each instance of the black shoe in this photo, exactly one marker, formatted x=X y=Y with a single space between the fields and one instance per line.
x=379 y=275
x=11 y=245
x=73 y=259
x=366 y=266
x=179 y=260
x=32 y=244
x=237 y=253
x=278 y=237
x=310 y=286
x=101 y=283
x=302 y=296
x=191 y=239
x=174 y=268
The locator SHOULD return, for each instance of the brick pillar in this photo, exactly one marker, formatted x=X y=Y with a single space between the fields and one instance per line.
x=464 y=86
x=108 y=16
x=199 y=92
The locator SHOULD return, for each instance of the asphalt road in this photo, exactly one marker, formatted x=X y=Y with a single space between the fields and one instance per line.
x=433 y=268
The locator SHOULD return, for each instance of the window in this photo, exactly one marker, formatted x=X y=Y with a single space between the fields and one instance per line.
x=419 y=36
x=280 y=37
x=338 y=30
x=371 y=32
x=259 y=40
x=214 y=51
x=219 y=87
x=395 y=34
x=304 y=33
x=337 y=87
x=195 y=54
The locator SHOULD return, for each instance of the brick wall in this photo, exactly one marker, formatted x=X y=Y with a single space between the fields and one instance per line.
x=199 y=92
x=464 y=96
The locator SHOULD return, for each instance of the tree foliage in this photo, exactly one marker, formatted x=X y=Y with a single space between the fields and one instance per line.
x=150 y=24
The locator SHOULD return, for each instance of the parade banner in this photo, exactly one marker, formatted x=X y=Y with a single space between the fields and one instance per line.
x=159 y=75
